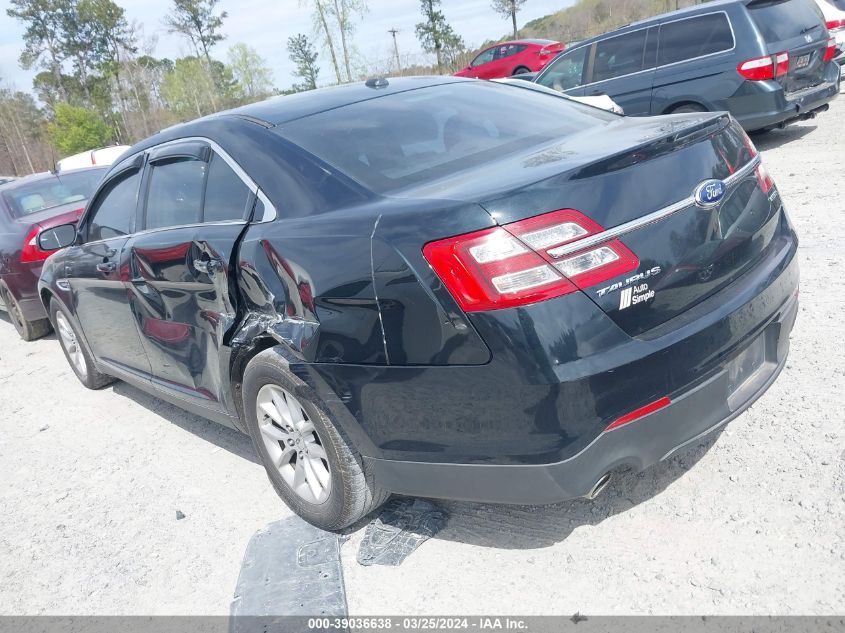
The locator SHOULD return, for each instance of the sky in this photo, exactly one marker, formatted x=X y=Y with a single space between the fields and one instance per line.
x=266 y=24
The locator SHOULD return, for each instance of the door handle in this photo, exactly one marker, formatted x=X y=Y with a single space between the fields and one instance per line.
x=208 y=266
x=106 y=267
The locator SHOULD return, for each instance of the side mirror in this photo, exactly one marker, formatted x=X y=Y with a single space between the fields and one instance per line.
x=56 y=238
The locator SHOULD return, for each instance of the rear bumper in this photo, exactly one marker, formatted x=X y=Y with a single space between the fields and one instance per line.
x=767 y=105
x=24 y=287
x=691 y=416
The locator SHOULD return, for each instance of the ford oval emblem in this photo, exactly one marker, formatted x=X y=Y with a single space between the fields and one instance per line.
x=709 y=193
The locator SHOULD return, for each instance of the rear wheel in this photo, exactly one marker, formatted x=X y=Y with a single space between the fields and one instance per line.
x=76 y=352
x=309 y=460
x=688 y=107
x=521 y=70
x=28 y=330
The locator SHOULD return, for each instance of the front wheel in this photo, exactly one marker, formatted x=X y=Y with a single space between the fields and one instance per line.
x=76 y=352
x=309 y=460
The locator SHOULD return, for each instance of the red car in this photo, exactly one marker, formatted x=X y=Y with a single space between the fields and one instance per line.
x=512 y=58
x=28 y=206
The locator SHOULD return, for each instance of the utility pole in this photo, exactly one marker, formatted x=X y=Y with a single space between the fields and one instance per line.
x=393 y=32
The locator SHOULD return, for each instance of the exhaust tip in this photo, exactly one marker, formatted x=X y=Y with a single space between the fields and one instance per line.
x=598 y=487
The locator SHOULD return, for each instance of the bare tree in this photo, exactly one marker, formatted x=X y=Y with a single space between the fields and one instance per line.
x=322 y=28
x=343 y=11
x=509 y=9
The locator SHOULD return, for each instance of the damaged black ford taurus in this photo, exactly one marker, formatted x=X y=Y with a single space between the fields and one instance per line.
x=435 y=286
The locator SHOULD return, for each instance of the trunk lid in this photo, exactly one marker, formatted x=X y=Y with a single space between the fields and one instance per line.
x=795 y=27
x=645 y=195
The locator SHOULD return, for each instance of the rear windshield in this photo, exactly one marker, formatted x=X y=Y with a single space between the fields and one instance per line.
x=409 y=138
x=786 y=19
x=52 y=191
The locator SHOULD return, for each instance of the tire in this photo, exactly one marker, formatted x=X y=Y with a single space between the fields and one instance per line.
x=76 y=352
x=521 y=70
x=318 y=473
x=28 y=330
x=688 y=107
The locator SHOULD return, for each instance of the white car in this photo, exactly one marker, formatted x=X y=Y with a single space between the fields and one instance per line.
x=834 y=19
x=598 y=101
x=94 y=157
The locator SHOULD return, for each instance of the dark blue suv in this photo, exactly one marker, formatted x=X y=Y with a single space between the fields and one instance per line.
x=767 y=62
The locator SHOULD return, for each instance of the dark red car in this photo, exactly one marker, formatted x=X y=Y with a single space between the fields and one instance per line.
x=512 y=58
x=27 y=207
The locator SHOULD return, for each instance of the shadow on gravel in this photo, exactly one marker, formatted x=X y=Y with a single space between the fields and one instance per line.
x=776 y=138
x=533 y=527
x=229 y=439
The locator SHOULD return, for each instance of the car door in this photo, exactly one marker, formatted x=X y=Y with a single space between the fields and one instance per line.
x=194 y=211
x=694 y=56
x=481 y=67
x=96 y=271
x=567 y=71
x=620 y=70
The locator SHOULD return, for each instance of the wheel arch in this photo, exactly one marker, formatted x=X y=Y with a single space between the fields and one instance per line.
x=675 y=105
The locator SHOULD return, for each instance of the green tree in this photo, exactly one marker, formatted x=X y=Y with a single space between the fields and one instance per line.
x=250 y=71
x=436 y=35
x=304 y=55
x=76 y=129
x=43 y=44
x=198 y=21
x=509 y=9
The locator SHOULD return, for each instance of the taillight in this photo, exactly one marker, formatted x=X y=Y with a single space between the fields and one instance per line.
x=764 y=178
x=781 y=64
x=30 y=253
x=545 y=51
x=832 y=25
x=757 y=69
x=830 y=52
x=526 y=261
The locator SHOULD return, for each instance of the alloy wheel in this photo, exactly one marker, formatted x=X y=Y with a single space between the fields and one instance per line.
x=293 y=444
x=71 y=345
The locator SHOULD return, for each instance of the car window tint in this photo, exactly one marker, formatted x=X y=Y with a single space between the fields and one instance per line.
x=566 y=72
x=415 y=136
x=694 y=37
x=114 y=209
x=620 y=55
x=176 y=193
x=485 y=57
x=781 y=20
x=226 y=195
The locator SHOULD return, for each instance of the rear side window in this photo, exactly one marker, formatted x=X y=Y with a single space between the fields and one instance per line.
x=226 y=195
x=620 y=55
x=783 y=20
x=694 y=37
x=114 y=208
x=414 y=137
x=176 y=190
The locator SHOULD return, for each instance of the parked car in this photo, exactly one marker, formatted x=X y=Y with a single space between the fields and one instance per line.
x=768 y=63
x=435 y=286
x=512 y=58
x=103 y=157
x=27 y=207
x=599 y=101
x=834 y=19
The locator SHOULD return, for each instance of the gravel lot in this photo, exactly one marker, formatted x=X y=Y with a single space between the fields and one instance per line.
x=751 y=523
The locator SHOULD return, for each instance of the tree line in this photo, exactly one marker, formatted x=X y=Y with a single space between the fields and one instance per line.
x=99 y=81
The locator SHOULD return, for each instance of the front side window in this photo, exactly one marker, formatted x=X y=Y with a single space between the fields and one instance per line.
x=694 y=37
x=618 y=56
x=567 y=71
x=114 y=209
x=485 y=58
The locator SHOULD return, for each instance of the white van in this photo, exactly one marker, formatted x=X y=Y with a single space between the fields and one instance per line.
x=99 y=157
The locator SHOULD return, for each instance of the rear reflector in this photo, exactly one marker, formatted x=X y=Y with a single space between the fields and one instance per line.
x=527 y=261
x=639 y=413
x=781 y=64
x=830 y=52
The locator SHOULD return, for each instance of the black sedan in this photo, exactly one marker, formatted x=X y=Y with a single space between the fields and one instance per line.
x=27 y=207
x=435 y=286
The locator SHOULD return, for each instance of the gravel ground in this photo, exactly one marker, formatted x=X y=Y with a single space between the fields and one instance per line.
x=751 y=523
